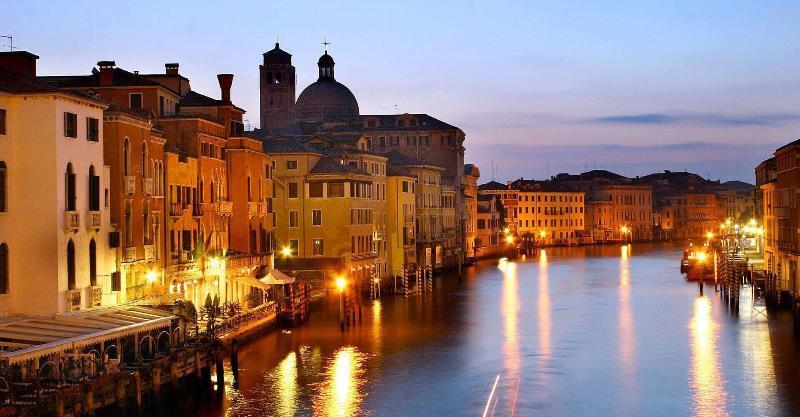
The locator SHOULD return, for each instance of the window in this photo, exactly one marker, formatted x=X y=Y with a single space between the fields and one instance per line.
x=315 y=189
x=382 y=141
x=405 y=186
x=293 y=218
x=317 y=247
x=292 y=190
x=136 y=100
x=70 y=192
x=92 y=129
x=92 y=263
x=294 y=246
x=70 y=265
x=335 y=189
x=94 y=190
x=2 y=121
x=3 y=268
x=70 y=125
x=3 y=186
x=292 y=164
x=316 y=217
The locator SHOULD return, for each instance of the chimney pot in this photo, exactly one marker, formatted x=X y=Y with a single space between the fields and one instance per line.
x=225 y=82
x=171 y=68
x=106 y=72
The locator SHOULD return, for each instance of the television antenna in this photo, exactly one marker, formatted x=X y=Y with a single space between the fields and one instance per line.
x=10 y=42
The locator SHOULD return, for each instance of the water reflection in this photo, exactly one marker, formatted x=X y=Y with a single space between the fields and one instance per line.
x=756 y=346
x=287 y=390
x=706 y=380
x=543 y=308
x=340 y=393
x=627 y=341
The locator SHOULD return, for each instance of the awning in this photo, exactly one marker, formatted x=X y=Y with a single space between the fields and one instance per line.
x=31 y=338
x=276 y=277
x=252 y=282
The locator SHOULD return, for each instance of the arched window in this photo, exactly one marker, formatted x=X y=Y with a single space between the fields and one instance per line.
x=3 y=268
x=128 y=226
x=70 y=192
x=70 y=265
x=126 y=157
x=213 y=193
x=144 y=160
x=2 y=186
x=92 y=263
x=202 y=191
x=94 y=190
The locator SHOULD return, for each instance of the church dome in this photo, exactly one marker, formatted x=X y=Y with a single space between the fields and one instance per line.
x=326 y=98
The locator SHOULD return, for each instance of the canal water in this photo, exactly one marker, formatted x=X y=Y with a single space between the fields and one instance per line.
x=592 y=331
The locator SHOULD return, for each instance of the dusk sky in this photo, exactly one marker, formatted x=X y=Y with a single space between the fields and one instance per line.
x=709 y=86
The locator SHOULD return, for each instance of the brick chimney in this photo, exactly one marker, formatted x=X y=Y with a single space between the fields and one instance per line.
x=106 y=72
x=171 y=68
x=225 y=82
x=20 y=62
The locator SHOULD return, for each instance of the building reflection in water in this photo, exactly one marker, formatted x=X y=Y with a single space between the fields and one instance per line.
x=339 y=394
x=543 y=308
x=627 y=344
x=706 y=379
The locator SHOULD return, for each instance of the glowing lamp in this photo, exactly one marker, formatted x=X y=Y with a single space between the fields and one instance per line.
x=151 y=276
x=509 y=239
x=709 y=235
x=340 y=283
x=286 y=251
x=701 y=257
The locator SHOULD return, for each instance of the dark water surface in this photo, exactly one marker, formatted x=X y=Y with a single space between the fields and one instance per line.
x=596 y=331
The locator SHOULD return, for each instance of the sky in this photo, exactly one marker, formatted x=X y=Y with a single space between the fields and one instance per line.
x=538 y=87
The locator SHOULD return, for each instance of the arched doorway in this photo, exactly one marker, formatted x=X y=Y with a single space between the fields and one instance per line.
x=70 y=265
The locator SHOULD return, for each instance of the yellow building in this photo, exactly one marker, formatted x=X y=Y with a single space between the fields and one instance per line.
x=553 y=212
x=470 y=190
x=400 y=216
x=429 y=227
x=330 y=212
x=620 y=212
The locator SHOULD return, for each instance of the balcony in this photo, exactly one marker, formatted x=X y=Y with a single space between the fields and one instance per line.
x=176 y=209
x=224 y=208
x=252 y=209
x=72 y=300
x=94 y=295
x=130 y=184
x=149 y=252
x=263 y=209
x=408 y=219
x=94 y=219
x=147 y=186
x=129 y=254
x=197 y=210
x=72 y=221
x=379 y=235
x=184 y=256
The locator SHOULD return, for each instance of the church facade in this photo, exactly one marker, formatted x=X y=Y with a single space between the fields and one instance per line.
x=326 y=114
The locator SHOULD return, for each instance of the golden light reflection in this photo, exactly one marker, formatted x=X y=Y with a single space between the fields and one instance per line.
x=758 y=364
x=339 y=394
x=510 y=311
x=287 y=389
x=627 y=341
x=543 y=308
x=377 y=323
x=710 y=397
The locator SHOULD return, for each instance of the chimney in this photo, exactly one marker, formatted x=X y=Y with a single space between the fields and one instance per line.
x=225 y=82
x=171 y=68
x=106 y=72
x=20 y=62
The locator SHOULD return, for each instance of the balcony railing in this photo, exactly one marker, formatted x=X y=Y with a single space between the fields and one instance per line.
x=94 y=220
x=94 y=295
x=72 y=220
x=197 y=210
x=408 y=219
x=147 y=186
x=184 y=256
x=224 y=208
x=72 y=299
x=176 y=209
x=149 y=252
x=252 y=209
x=130 y=184
x=263 y=209
x=129 y=254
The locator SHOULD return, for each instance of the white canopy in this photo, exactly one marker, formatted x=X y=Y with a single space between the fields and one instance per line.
x=276 y=277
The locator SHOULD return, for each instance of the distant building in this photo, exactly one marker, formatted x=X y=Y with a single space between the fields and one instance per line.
x=552 y=212
x=470 y=186
x=489 y=225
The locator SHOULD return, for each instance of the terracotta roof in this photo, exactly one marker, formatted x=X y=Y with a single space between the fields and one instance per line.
x=195 y=99
x=387 y=122
x=493 y=185
x=273 y=146
x=544 y=186
x=13 y=82
x=120 y=78
x=331 y=165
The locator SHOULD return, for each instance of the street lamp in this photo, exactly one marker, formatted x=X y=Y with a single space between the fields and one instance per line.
x=341 y=284
x=286 y=251
x=510 y=239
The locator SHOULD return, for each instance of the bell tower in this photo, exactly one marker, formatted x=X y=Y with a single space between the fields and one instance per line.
x=277 y=86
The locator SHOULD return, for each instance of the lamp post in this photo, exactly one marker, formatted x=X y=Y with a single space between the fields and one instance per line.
x=340 y=284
